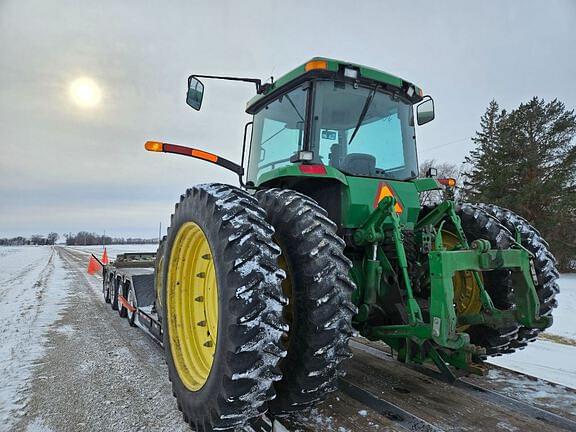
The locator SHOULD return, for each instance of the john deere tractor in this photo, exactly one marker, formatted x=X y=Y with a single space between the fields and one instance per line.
x=261 y=285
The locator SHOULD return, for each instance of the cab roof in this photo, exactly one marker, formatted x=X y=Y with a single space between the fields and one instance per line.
x=322 y=66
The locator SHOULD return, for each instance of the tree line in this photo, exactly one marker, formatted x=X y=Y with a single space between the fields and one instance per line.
x=525 y=160
x=79 y=239
x=85 y=238
x=36 y=239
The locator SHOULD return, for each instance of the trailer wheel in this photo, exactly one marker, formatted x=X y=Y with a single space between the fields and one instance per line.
x=122 y=311
x=319 y=289
x=222 y=301
x=107 y=284
x=131 y=315
x=115 y=292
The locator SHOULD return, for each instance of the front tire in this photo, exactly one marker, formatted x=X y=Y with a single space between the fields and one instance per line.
x=220 y=266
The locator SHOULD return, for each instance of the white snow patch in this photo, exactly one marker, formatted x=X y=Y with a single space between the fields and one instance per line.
x=33 y=291
x=545 y=359
x=38 y=426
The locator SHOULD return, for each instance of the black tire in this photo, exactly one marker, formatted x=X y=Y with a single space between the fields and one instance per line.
x=106 y=289
x=122 y=311
x=320 y=310
x=544 y=265
x=250 y=323
x=131 y=297
x=158 y=275
x=478 y=224
x=115 y=288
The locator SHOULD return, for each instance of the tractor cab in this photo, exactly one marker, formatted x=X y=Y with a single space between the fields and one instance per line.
x=340 y=133
x=352 y=119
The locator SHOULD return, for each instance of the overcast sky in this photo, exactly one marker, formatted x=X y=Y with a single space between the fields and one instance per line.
x=67 y=168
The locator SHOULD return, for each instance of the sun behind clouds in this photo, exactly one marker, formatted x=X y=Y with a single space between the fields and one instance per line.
x=85 y=92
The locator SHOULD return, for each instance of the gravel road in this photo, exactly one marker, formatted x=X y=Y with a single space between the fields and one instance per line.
x=98 y=373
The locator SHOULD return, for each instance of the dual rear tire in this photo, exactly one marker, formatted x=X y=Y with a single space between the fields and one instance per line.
x=224 y=300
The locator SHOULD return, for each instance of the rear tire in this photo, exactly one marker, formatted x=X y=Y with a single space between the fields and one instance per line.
x=320 y=309
x=249 y=306
x=477 y=224
x=544 y=266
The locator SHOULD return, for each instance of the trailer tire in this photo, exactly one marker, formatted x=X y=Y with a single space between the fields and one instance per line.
x=131 y=297
x=122 y=311
x=115 y=292
x=106 y=290
x=319 y=290
x=221 y=230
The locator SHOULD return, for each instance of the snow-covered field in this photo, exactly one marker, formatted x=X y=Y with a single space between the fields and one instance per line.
x=546 y=359
x=114 y=250
x=33 y=289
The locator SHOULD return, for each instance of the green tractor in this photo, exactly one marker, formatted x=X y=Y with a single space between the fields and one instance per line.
x=260 y=287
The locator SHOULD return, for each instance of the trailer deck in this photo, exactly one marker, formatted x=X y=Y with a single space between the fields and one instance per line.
x=378 y=392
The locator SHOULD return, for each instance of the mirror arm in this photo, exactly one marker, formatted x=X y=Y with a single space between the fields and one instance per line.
x=195 y=153
x=260 y=88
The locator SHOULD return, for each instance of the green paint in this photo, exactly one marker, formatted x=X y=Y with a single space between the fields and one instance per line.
x=428 y=328
x=333 y=66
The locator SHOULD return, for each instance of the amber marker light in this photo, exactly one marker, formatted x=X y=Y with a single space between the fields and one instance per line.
x=154 y=146
x=450 y=182
x=204 y=155
x=316 y=64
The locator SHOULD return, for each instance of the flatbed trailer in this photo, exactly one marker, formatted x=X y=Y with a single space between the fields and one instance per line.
x=129 y=287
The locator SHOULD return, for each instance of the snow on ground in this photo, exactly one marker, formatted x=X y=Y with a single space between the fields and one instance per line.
x=564 y=315
x=546 y=359
x=33 y=290
x=114 y=250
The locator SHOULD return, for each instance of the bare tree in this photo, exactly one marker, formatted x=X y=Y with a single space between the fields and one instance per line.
x=444 y=170
x=52 y=238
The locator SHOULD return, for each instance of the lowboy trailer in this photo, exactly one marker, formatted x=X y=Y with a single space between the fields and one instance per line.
x=128 y=285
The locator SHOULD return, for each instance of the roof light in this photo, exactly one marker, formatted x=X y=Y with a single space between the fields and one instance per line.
x=351 y=73
x=316 y=64
x=410 y=91
x=313 y=169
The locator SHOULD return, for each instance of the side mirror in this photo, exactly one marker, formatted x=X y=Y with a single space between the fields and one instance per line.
x=425 y=111
x=195 y=93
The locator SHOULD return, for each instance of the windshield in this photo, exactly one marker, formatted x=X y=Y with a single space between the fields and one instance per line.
x=278 y=133
x=362 y=131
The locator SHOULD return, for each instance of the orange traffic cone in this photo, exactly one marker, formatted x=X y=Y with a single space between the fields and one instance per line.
x=105 y=257
x=93 y=265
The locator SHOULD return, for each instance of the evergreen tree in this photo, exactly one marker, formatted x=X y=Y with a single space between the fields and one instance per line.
x=525 y=161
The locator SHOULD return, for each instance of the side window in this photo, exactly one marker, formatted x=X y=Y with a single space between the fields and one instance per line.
x=278 y=133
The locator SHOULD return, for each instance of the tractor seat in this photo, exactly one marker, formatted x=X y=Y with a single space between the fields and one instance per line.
x=360 y=164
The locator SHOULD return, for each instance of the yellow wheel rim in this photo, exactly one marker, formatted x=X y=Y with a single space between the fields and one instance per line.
x=466 y=290
x=192 y=306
